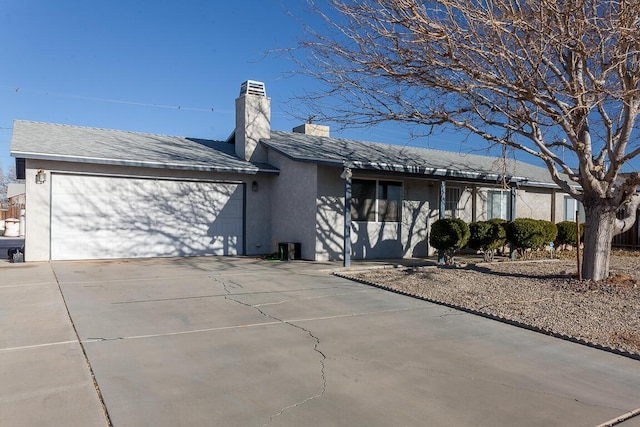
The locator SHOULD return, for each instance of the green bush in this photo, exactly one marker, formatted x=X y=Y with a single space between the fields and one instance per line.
x=487 y=236
x=550 y=231
x=449 y=235
x=499 y=221
x=526 y=233
x=480 y=234
x=567 y=233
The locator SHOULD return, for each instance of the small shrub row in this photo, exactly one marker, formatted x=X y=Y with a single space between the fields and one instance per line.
x=452 y=234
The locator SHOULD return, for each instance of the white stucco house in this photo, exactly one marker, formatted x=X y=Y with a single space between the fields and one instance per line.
x=101 y=193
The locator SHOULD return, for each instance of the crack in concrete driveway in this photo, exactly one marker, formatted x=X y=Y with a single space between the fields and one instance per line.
x=323 y=357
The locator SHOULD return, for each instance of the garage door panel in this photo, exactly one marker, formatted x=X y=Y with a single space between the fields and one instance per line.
x=109 y=217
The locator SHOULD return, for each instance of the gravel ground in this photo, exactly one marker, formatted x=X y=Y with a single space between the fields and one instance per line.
x=544 y=294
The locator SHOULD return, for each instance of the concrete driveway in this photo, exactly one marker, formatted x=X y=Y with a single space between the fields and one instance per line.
x=242 y=342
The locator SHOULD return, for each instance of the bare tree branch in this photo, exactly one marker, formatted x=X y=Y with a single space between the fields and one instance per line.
x=559 y=77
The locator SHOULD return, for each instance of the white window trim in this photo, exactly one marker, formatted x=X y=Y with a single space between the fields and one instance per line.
x=505 y=196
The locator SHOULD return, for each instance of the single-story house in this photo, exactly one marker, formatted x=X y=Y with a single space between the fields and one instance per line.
x=102 y=193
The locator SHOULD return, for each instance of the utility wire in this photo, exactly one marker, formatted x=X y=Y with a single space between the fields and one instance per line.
x=114 y=101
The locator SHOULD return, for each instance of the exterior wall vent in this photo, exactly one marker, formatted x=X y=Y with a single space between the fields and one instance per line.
x=252 y=87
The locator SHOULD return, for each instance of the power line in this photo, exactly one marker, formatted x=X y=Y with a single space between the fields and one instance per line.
x=113 y=101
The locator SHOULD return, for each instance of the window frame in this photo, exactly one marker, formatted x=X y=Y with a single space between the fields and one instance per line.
x=452 y=204
x=570 y=215
x=377 y=212
x=505 y=197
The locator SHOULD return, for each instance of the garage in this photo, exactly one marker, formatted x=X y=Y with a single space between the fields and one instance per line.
x=105 y=217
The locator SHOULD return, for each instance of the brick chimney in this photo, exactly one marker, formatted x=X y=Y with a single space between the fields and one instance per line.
x=253 y=121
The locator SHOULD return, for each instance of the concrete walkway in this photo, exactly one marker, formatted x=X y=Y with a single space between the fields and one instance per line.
x=242 y=342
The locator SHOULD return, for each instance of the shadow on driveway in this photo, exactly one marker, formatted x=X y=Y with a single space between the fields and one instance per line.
x=234 y=341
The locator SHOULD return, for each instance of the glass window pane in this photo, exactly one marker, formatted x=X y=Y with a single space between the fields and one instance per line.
x=363 y=203
x=571 y=205
x=389 y=201
x=452 y=200
x=569 y=208
x=498 y=205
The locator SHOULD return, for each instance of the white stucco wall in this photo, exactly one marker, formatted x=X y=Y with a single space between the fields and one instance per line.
x=293 y=204
x=37 y=218
x=534 y=203
x=329 y=214
x=257 y=234
x=420 y=200
x=407 y=238
x=465 y=205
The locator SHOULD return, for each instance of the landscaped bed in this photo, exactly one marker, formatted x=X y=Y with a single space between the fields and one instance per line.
x=542 y=294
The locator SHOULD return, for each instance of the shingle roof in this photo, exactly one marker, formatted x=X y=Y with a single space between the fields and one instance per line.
x=48 y=141
x=401 y=159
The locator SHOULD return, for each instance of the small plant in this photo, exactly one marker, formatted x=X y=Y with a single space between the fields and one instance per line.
x=449 y=235
x=487 y=236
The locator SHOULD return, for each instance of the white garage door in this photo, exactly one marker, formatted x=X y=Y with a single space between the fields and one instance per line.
x=97 y=217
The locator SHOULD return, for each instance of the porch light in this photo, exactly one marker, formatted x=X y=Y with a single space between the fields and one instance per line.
x=41 y=176
x=346 y=173
x=254 y=186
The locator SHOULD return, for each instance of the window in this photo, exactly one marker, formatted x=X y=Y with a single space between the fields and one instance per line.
x=376 y=201
x=571 y=205
x=389 y=201
x=499 y=205
x=363 y=200
x=452 y=199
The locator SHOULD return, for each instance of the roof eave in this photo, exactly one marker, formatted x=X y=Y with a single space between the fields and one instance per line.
x=414 y=170
x=139 y=163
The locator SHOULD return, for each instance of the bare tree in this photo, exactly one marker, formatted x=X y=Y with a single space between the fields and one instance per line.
x=558 y=79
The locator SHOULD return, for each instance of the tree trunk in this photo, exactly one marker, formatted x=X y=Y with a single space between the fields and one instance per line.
x=598 y=234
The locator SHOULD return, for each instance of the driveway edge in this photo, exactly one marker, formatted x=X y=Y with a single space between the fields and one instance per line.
x=505 y=320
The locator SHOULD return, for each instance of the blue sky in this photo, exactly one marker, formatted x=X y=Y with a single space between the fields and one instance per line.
x=160 y=66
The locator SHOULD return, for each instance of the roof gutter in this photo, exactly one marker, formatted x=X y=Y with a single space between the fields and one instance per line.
x=141 y=163
x=418 y=170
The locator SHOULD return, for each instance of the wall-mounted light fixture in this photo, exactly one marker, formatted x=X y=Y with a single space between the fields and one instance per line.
x=346 y=173
x=254 y=186
x=41 y=176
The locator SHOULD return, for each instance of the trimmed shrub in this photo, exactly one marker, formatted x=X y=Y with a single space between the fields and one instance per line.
x=567 y=233
x=480 y=234
x=449 y=235
x=550 y=231
x=503 y=230
x=487 y=236
x=526 y=233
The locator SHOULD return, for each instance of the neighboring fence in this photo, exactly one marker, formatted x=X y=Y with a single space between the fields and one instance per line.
x=628 y=239
x=10 y=210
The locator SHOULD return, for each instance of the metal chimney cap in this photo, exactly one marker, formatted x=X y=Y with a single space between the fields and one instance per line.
x=252 y=87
